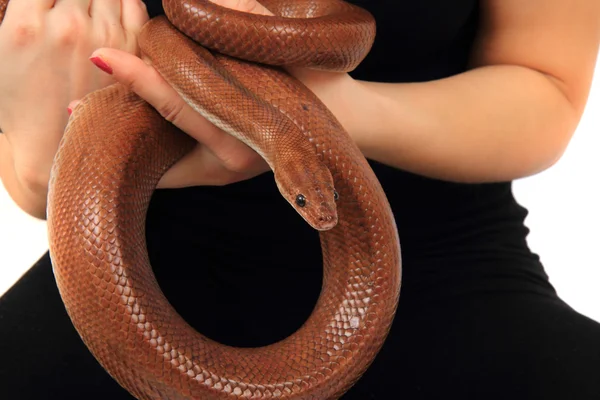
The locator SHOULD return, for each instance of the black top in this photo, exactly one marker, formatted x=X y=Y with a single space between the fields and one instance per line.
x=225 y=245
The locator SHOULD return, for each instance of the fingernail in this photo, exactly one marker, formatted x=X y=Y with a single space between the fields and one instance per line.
x=103 y=65
x=72 y=105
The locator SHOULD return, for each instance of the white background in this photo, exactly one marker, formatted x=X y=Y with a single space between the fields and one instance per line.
x=564 y=205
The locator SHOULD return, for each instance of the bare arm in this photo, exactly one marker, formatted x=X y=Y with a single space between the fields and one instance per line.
x=510 y=116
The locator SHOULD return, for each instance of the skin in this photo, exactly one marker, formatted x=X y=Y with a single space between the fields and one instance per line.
x=48 y=44
x=511 y=115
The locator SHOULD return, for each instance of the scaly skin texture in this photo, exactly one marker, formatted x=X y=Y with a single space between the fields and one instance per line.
x=115 y=149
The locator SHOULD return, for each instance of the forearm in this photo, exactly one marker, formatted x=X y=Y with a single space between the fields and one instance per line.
x=488 y=124
x=29 y=196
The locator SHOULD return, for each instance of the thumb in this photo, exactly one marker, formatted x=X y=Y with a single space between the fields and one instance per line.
x=145 y=81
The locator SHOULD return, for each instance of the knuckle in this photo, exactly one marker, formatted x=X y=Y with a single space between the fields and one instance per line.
x=171 y=110
x=130 y=44
x=243 y=162
x=133 y=79
x=112 y=36
x=129 y=78
x=25 y=34
x=138 y=81
x=69 y=30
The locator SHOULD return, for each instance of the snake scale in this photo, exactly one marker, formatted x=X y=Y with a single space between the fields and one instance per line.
x=115 y=149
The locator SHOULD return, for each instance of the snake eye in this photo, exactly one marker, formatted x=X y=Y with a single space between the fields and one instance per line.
x=336 y=195
x=301 y=200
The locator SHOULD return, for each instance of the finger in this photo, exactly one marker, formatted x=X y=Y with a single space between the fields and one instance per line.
x=147 y=83
x=133 y=15
x=21 y=10
x=249 y=6
x=82 y=6
x=106 y=12
x=200 y=167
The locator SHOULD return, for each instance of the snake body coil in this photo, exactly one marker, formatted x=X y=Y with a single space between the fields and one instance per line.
x=116 y=148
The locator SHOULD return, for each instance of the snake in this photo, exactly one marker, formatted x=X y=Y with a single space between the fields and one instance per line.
x=230 y=67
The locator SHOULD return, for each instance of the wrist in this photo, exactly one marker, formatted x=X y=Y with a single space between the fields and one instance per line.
x=342 y=95
x=364 y=112
x=28 y=189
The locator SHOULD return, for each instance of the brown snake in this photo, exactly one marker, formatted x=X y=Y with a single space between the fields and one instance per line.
x=116 y=148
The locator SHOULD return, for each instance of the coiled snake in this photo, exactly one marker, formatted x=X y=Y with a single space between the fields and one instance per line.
x=115 y=149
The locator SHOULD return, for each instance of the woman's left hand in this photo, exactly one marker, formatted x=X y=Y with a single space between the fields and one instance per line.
x=218 y=158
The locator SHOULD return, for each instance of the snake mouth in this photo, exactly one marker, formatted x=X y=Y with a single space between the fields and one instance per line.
x=325 y=225
x=325 y=219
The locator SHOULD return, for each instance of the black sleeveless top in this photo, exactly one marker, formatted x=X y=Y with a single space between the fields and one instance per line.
x=245 y=251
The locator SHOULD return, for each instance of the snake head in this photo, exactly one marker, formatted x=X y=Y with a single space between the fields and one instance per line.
x=308 y=187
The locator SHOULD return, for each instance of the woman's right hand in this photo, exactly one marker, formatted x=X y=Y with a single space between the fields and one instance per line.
x=45 y=47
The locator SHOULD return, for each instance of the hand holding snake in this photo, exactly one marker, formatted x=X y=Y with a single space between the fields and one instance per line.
x=218 y=158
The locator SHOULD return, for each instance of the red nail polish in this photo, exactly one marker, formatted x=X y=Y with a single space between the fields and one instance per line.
x=69 y=110
x=100 y=63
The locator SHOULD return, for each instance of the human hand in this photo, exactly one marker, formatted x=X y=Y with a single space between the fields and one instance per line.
x=48 y=44
x=218 y=158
